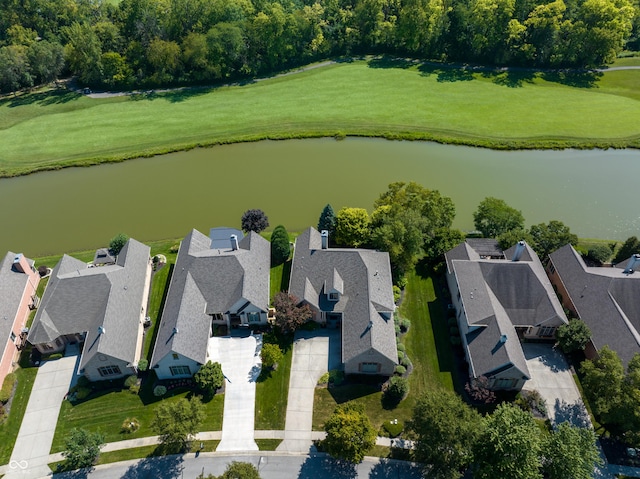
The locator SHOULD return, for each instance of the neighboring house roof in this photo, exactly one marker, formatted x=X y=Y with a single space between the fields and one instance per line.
x=606 y=299
x=82 y=299
x=499 y=295
x=363 y=277
x=12 y=286
x=103 y=256
x=210 y=277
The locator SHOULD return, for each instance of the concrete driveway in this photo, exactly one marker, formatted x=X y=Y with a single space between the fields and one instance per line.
x=31 y=452
x=241 y=365
x=314 y=353
x=551 y=376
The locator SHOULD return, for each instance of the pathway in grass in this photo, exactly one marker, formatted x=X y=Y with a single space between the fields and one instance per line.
x=506 y=108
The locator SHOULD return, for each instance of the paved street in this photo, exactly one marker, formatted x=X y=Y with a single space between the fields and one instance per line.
x=314 y=353
x=31 y=452
x=271 y=466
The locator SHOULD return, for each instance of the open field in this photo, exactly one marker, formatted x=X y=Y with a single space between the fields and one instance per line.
x=393 y=99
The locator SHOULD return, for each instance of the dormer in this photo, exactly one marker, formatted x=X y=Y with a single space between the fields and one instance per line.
x=334 y=287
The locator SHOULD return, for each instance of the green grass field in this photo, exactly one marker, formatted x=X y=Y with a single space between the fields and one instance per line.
x=370 y=98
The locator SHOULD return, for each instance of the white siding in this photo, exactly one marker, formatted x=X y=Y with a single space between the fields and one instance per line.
x=163 y=369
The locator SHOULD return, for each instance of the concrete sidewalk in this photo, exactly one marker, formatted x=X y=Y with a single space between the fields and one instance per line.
x=310 y=360
x=241 y=365
x=30 y=454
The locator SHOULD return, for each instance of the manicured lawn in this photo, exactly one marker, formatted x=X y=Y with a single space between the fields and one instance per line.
x=268 y=444
x=159 y=289
x=427 y=345
x=392 y=99
x=107 y=412
x=10 y=427
x=272 y=390
x=279 y=280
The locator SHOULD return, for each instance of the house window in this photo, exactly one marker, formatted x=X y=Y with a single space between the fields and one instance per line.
x=109 y=370
x=253 y=317
x=179 y=370
x=547 y=331
x=552 y=268
x=506 y=383
x=334 y=296
x=176 y=356
x=370 y=368
x=13 y=337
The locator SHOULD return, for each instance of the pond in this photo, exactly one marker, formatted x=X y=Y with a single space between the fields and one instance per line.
x=166 y=196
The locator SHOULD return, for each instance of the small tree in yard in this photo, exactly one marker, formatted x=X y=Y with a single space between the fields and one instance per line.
x=395 y=391
x=82 y=448
x=209 y=378
x=327 y=220
x=290 y=316
x=117 y=243
x=254 y=220
x=478 y=389
x=177 y=422
x=280 y=248
x=350 y=433
x=271 y=355
x=573 y=336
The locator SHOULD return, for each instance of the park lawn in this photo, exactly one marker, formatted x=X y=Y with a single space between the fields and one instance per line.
x=9 y=428
x=427 y=345
x=107 y=411
x=391 y=100
x=272 y=393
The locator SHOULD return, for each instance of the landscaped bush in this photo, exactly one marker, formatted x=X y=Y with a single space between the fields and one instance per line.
x=43 y=270
x=310 y=326
x=401 y=356
x=452 y=321
x=532 y=401
x=82 y=393
x=271 y=355
x=397 y=294
x=83 y=382
x=406 y=362
x=324 y=379
x=392 y=428
x=599 y=253
x=401 y=347
x=400 y=370
x=404 y=324
x=7 y=387
x=395 y=391
x=336 y=377
x=53 y=356
x=130 y=381
x=143 y=365
x=174 y=249
x=130 y=425
x=159 y=391
x=135 y=389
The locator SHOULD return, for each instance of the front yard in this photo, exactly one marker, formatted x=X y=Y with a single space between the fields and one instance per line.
x=427 y=345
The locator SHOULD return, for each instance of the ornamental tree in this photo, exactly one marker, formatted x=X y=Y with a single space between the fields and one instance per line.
x=254 y=220
x=280 y=248
x=352 y=227
x=82 y=448
x=573 y=336
x=209 y=378
x=178 y=422
x=350 y=433
x=117 y=243
x=290 y=316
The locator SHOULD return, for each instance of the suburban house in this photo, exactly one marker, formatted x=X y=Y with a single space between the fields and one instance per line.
x=102 y=309
x=500 y=297
x=219 y=282
x=349 y=289
x=607 y=299
x=18 y=283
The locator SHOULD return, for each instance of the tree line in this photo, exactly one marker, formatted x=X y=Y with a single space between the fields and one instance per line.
x=162 y=42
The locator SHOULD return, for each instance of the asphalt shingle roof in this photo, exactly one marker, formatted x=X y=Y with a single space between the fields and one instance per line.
x=365 y=279
x=12 y=287
x=209 y=280
x=80 y=299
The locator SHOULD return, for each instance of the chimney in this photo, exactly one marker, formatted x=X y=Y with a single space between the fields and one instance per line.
x=503 y=339
x=632 y=262
x=518 y=252
x=234 y=243
x=20 y=264
x=325 y=239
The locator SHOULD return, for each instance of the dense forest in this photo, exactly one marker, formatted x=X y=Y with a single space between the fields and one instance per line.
x=160 y=42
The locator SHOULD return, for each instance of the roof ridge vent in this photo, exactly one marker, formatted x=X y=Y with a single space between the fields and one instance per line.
x=503 y=339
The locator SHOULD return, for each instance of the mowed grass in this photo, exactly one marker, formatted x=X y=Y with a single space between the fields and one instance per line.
x=371 y=98
x=428 y=348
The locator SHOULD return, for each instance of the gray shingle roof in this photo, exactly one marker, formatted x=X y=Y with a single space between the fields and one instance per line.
x=606 y=299
x=365 y=278
x=12 y=287
x=80 y=299
x=499 y=295
x=210 y=280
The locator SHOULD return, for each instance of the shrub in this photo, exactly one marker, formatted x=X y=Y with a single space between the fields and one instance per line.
x=130 y=425
x=396 y=390
x=336 y=377
x=280 y=247
x=404 y=324
x=209 y=378
x=401 y=347
x=599 y=253
x=452 y=321
x=43 y=270
x=397 y=294
x=130 y=381
x=455 y=340
x=143 y=365
x=159 y=391
x=117 y=243
x=135 y=389
x=82 y=393
x=397 y=328
x=324 y=379
x=271 y=355
x=406 y=362
x=454 y=331
x=531 y=401
x=7 y=387
x=400 y=370
x=401 y=356
x=392 y=428
x=83 y=382
x=174 y=249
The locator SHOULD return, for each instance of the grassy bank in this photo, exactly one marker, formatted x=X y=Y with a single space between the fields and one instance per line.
x=392 y=100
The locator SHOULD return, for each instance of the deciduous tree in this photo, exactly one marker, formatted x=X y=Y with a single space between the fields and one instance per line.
x=571 y=453
x=209 y=378
x=117 y=243
x=177 y=422
x=290 y=316
x=82 y=448
x=549 y=237
x=350 y=433
x=271 y=355
x=630 y=247
x=254 y=220
x=495 y=217
x=352 y=227
x=602 y=380
x=573 y=336
x=447 y=430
